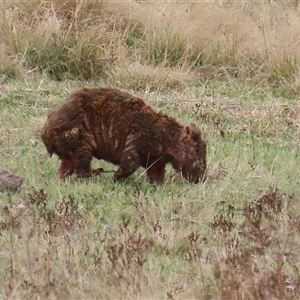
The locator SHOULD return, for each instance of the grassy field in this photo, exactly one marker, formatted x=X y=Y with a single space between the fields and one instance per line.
x=233 y=68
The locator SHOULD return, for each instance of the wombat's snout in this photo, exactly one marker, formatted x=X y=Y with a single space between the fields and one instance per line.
x=196 y=173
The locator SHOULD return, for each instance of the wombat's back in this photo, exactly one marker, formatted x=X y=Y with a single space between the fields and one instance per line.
x=110 y=113
x=104 y=103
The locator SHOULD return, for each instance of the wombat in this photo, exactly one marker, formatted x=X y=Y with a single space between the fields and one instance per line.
x=111 y=124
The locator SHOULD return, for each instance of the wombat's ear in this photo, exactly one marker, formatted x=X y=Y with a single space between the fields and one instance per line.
x=195 y=129
x=187 y=130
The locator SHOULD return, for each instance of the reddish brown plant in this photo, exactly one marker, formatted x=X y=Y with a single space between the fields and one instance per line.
x=111 y=124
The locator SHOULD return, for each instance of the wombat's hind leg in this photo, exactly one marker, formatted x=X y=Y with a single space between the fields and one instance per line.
x=66 y=166
x=129 y=164
x=156 y=173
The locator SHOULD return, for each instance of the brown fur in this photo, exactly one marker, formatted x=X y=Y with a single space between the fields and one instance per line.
x=113 y=125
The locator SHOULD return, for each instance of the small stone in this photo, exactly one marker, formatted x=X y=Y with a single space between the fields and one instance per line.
x=9 y=181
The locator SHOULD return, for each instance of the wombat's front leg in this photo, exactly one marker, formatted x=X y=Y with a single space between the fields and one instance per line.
x=83 y=160
x=128 y=165
x=156 y=173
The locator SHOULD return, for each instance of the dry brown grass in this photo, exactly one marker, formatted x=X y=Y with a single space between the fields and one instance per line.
x=254 y=41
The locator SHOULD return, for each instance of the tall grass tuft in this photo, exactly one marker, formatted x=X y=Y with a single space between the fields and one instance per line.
x=255 y=41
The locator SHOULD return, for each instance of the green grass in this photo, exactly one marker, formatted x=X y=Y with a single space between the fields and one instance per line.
x=103 y=240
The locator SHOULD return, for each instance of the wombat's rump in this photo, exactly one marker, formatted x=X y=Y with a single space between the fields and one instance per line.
x=111 y=124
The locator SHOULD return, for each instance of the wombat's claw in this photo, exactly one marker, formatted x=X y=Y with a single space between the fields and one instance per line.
x=59 y=177
x=97 y=171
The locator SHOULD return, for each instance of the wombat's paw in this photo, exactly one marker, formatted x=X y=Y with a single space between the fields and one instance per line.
x=90 y=173
x=58 y=177
x=97 y=171
x=119 y=174
x=61 y=176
